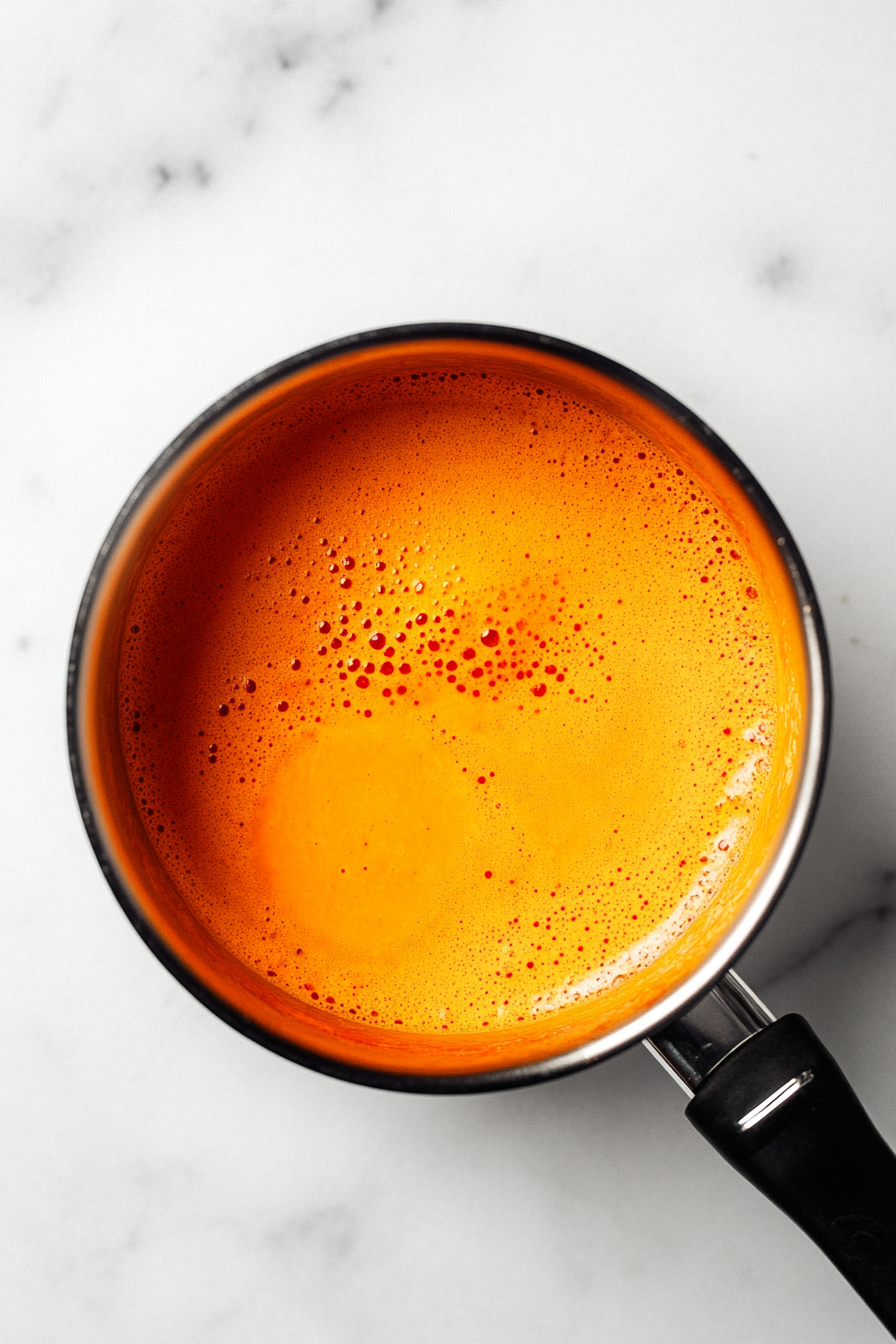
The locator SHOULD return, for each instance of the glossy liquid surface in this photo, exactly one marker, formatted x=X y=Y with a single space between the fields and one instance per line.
x=451 y=700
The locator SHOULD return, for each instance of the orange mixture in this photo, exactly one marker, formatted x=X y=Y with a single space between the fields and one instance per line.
x=450 y=700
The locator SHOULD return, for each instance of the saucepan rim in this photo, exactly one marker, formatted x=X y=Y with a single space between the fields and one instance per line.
x=774 y=880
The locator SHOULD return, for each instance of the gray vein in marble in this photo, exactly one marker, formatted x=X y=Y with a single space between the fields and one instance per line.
x=779 y=274
x=165 y=99
x=879 y=913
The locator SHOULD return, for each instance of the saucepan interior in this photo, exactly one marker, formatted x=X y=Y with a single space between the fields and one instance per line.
x=581 y=1032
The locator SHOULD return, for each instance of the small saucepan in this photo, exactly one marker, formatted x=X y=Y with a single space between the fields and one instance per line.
x=765 y=1093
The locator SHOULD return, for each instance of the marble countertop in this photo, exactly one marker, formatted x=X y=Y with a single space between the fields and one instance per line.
x=194 y=190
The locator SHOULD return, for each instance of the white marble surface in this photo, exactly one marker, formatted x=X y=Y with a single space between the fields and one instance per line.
x=194 y=189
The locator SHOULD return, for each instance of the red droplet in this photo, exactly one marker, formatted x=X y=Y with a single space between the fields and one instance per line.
x=405 y=669
x=704 y=579
x=727 y=732
x=433 y=646
x=751 y=592
x=249 y=685
x=550 y=670
x=283 y=706
x=387 y=692
x=387 y=669
x=420 y=618
x=469 y=653
x=490 y=637
x=377 y=641
x=345 y=582
x=540 y=689
x=488 y=872
x=363 y=683
x=481 y=779
x=324 y=627
x=295 y=667
x=735 y=555
x=223 y=710
x=348 y=562
x=353 y=664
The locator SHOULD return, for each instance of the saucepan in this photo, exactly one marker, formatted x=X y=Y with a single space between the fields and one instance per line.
x=765 y=1093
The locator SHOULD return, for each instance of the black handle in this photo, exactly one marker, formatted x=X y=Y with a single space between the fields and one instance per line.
x=779 y=1109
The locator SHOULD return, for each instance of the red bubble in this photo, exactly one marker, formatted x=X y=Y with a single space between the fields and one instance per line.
x=490 y=637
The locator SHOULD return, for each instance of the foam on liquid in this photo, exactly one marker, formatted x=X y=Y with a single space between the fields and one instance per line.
x=449 y=699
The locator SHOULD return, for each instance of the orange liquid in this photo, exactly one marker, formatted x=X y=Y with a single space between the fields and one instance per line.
x=460 y=704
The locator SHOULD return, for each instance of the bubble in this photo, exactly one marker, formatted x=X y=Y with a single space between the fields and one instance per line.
x=490 y=637
x=324 y=627
x=419 y=586
x=353 y=664
x=345 y=582
x=348 y=562
x=421 y=618
x=377 y=641
x=296 y=664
